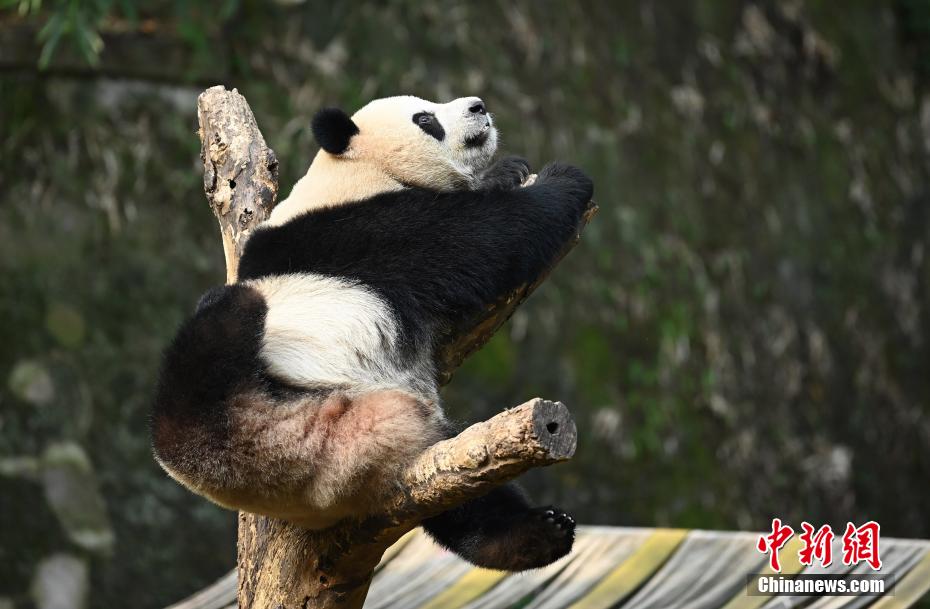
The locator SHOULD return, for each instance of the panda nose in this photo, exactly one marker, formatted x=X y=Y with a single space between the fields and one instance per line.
x=477 y=107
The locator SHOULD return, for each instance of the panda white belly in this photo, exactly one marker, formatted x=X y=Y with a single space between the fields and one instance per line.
x=327 y=332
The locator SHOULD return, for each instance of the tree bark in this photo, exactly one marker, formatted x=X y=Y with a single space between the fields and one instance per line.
x=283 y=566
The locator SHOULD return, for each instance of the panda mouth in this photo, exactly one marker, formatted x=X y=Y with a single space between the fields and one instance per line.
x=478 y=139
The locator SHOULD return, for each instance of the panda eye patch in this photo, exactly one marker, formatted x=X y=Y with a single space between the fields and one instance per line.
x=428 y=123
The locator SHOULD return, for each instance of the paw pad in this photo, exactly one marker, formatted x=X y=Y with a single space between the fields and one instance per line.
x=559 y=520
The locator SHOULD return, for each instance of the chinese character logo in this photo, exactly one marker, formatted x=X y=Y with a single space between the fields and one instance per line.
x=860 y=544
x=817 y=545
x=770 y=544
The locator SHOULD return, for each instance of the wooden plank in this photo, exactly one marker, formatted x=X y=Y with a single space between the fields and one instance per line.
x=632 y=572
x=645 y=568
x=790 y=564
x=474 y=584
x=517 y=587
x=911 y=588
x=398 y=546
x=610 y=547
x=898 y=557
x=701 y=573
x=442 y=575
x=418 y=561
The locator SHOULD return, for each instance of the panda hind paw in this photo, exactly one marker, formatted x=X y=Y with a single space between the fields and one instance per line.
x=545 y=535
x=557 y=519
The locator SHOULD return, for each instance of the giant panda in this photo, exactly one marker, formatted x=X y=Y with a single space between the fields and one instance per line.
x=303 y=390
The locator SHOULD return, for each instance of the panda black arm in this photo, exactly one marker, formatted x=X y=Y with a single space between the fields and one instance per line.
x=437 y=258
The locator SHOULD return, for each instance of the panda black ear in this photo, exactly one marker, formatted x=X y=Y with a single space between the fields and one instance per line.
x=333 y=129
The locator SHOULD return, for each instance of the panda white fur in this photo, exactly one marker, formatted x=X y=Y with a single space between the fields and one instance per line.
x=302 y=391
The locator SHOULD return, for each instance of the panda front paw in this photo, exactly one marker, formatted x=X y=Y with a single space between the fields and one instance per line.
x=506 y=174
x=572 y=180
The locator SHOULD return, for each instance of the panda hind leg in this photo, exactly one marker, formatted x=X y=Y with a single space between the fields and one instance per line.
x=501 y=530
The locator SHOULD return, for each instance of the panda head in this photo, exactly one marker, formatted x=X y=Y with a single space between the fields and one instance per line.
x=389 y=145
x=414 y=141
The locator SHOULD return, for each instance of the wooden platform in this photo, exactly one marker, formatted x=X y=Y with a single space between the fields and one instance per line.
x=614 y=567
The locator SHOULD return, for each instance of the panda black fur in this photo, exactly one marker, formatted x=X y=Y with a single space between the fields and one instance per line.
x=303 y=390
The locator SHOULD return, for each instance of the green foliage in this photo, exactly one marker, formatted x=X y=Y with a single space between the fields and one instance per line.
x=77 y=21
x=80 y=22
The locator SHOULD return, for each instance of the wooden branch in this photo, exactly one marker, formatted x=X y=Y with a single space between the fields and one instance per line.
x=240 y=171
x=483 y=456
x=281 y=565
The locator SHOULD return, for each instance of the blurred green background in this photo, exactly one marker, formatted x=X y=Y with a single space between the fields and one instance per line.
x=741 y=334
